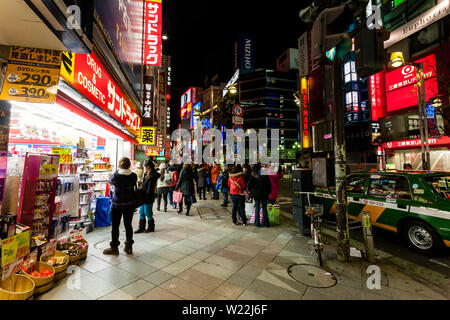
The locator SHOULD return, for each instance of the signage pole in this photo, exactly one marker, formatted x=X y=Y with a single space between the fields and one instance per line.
x=343 y=237
x=423 y=117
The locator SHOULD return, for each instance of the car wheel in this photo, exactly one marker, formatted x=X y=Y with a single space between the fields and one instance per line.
x=422 y=238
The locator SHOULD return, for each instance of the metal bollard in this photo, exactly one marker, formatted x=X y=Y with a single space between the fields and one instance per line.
x=368 y=236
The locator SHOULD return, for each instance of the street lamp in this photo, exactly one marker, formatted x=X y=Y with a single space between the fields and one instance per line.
x=397 y=60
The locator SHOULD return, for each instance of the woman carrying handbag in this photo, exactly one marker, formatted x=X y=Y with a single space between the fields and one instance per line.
x=186 y=186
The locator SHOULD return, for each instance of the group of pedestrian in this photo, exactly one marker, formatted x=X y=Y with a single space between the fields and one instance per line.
x=243 y=183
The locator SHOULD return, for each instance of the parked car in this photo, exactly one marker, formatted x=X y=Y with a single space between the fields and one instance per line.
x=416 y=205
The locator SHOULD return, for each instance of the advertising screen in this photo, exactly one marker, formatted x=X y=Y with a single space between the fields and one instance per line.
x=401 y=85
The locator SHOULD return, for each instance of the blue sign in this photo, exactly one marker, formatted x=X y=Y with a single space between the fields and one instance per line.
x=431 y=112
x=194 y=119
x=123 y=25
x=245 y=54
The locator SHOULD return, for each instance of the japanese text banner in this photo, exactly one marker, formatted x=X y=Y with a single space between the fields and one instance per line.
x=152 y=32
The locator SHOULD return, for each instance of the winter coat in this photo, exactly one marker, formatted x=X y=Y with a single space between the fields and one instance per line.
x=224 y=185
x=149 y=186
x=274 y=183
x=259 y=187
x=233 y=182
x=124 y=182
x=186 y=183
x=215 y=172
x=175 y=176
x=162 y=183
x=202 y=174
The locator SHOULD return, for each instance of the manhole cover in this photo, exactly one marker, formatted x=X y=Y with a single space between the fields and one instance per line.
x=312 y=276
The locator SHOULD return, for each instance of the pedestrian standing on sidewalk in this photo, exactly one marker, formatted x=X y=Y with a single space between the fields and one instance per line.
x=224 y=187
x=123 y=205
x=164 y=183
x=260 y=189
x=201 y=184
x=186 y=186
x=215 y=172
x=139 y=173
x=247 y=170
x=148 y=188
x=275 y=178
x=173 y=169
x=208 y=178
x=237 y=186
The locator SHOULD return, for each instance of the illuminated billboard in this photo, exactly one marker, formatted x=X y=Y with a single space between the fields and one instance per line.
x=186 y=104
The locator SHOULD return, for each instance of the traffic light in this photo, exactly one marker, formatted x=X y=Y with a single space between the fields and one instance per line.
x=370 y=57
x=328 y=32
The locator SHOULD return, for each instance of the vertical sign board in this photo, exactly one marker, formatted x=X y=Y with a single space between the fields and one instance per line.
x=246 y=53
x=152 y=32
x=32 y=75
x=147 y=117
x=303 y=55
x=122 y=21
x=304 y=114
x=169 y=85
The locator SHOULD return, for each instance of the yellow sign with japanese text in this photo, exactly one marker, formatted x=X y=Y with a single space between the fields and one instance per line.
x=32 y=75
x=15 y=248
x=147 y=136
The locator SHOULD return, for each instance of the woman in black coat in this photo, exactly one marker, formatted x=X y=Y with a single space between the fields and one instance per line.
x=201 y=183
x=260 y=189
x=186 y=186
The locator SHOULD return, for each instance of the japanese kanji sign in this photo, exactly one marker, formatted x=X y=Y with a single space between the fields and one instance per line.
x=148 y=100
x=147 y=136
x=152 y=152
x=32 y=75
x=87 y=75
x=152 y=32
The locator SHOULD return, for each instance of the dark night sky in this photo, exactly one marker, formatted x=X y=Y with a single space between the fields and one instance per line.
x=202 y=33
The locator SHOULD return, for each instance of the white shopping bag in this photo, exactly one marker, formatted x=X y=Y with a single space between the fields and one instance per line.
x=249 y=209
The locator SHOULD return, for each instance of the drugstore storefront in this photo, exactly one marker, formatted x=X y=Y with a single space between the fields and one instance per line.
x=63 y=149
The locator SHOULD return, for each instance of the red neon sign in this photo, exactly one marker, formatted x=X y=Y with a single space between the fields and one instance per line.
x=401 y=84
x=305 y=116
x=153 y=32
x=377 y=97
x=416 y=143
x=92 y=80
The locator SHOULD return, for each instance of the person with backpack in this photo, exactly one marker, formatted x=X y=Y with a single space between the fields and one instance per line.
x=163 y=187
x=148 y=190
x=237 y=187
x=201 y=184
x=124 y=182
x=260 y=188
x=224 y=188
x=186 y=186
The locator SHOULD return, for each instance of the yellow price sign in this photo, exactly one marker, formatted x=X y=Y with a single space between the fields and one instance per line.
x=32 y=75
x=9 y=251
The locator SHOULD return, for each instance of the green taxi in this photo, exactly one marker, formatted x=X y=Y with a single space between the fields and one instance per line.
x=415 y=205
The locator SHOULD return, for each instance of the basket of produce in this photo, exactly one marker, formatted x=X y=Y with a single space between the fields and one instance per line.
x=17 y=287
x=84 y=246
x=59 y=261
x=72 y=250
x=43 y=276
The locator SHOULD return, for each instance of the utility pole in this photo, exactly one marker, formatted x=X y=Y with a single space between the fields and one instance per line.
x=343 y=236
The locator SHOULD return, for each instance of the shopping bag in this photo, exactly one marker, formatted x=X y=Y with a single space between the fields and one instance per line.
x=274 y=213
x=261 y=216
x=193 y=199
x=249 y=209
x=103 y=212
x=177 y=197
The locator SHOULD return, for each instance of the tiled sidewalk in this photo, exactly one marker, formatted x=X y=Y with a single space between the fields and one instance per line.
x=208 y=258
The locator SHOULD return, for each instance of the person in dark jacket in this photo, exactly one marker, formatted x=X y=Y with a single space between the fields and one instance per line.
x=148 y=188
x=124 y=182
x=260 y=189
x=225 y=188
x=201 y=184
x=175 y=172
x=186 y=186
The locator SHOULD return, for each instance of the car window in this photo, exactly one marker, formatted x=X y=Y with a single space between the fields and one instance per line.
x=440 y=186
x=356 y=184
x=389 y=186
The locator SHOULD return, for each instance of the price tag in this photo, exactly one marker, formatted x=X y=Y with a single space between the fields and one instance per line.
x=76 y=235
x=12 y=268
x=49 y=248
x=9 y=250
x=23 y=244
